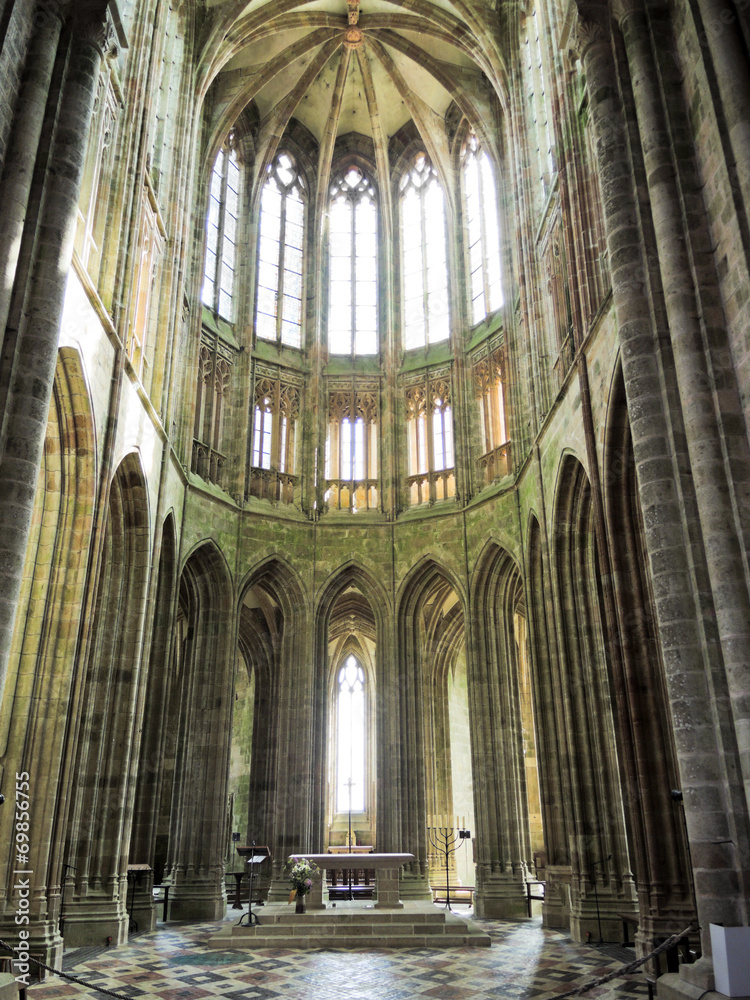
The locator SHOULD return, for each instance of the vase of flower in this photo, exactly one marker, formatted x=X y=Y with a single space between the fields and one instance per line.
x=300 y=873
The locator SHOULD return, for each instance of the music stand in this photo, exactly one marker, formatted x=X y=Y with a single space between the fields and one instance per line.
x=252 y=856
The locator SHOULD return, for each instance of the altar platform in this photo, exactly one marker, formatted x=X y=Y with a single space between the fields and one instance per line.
x=352 y=925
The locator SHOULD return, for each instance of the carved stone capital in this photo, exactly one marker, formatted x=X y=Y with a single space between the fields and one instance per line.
x=622 y=9
x=96 y=21
x=51 y=9
x=589 y=31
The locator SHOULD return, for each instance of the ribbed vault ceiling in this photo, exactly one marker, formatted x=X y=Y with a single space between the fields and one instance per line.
x=343 y=66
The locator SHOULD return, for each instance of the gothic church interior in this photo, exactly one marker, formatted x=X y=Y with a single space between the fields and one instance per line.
x=375 y=450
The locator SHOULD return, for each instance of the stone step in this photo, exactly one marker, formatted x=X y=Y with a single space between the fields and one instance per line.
x=418 y=926
x=328 y=918
x=357 y=941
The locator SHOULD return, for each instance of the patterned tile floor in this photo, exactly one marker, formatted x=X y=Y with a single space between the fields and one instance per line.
x=525 y=962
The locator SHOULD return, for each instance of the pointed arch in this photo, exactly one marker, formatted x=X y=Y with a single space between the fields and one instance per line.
x=645 y=736
x=107 y=746
x=501 y=729
x=431 y=614
x=273 y=615
x=352 y=590
x=153 y=791
x=205 y=661
x=42 y=662
x=593 y=779
x=551 y=739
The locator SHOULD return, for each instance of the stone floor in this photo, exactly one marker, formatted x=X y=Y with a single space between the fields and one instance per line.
x=525 y=962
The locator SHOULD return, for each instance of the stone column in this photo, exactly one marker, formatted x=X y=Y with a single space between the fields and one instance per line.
x=722 y=36
x=18 y=169
x=691 y=655
x=33 y=366
x=500 y=803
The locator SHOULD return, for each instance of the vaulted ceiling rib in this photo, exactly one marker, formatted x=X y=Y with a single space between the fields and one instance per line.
x=343 y=66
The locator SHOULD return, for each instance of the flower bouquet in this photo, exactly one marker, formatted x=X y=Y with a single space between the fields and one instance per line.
x=301 y=874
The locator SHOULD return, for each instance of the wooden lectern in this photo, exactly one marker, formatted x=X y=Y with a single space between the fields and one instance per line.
x=252 y=855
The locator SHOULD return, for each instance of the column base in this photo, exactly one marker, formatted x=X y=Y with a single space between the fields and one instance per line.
x=675 y=986
x=44 y=943
x=94 y=921
x=501 y=895
x=586 y=924
x=414 y=888
x=193 y=901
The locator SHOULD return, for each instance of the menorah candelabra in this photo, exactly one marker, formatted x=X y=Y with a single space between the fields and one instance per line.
x=446 y=840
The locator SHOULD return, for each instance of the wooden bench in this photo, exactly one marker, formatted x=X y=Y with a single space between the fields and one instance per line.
x=362 y=883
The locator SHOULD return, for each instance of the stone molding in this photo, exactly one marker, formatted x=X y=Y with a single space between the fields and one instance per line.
x=589 y=32
x=94 y=22
x=623 y=9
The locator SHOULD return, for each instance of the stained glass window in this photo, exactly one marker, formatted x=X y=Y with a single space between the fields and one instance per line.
x=278 y=313
x=482 y=231
x=222 y=233
x=350 y=738
x=353 y=241
x=423 y=253
x=540 y=132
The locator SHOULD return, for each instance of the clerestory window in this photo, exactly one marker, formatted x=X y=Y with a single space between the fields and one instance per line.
x=278 y=313
x=424 y=271
x=221 y=233
x=482 y=232
x=540 y=122
x=353 y=241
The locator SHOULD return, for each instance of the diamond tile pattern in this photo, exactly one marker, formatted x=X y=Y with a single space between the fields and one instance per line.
x=525 y=962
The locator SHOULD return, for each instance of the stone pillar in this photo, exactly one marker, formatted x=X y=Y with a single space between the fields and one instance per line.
x=722 y=36
x=692 y=657
x=33 y=367
x=18 y=169
x=500 y=803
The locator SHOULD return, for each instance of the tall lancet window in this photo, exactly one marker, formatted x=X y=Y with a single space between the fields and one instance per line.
x=353 y=239
x=278 y=313
x=538 y=98
x=424 y=272
x=222 y=233
x=482 y=231
x=350 y=737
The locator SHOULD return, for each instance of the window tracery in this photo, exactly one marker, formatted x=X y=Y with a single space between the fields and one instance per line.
x=353 y=239
x=151 y=240
x=276 y=413
x=97 y=179
x=215 y=363
x=351 y=466
x=350 y=737
x=278 y=313
x=489 y=391
x=482 y=231
x=222 y=224
x=429 y=418
x=537 y=95
x=424 y=271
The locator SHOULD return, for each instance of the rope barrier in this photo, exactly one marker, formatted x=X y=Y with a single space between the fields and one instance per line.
x=65 y=975
x=624 y=970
